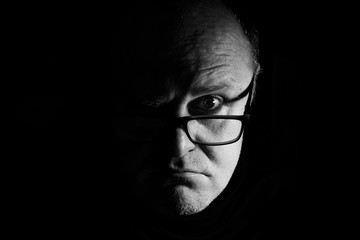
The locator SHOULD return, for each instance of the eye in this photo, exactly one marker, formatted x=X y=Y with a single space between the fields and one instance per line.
x=207 y=104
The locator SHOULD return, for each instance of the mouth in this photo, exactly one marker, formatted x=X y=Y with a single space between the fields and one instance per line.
x=185 y=178
x=175 y=177
x=184 y=172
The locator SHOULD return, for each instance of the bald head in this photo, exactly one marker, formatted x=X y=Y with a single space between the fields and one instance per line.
x=209 y=29
x=173 y=37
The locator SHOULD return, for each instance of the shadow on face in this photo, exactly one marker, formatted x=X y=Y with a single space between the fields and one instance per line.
x=184 y=60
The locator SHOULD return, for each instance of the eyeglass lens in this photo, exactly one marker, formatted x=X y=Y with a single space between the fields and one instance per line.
x=214 y=130
x=200 y=130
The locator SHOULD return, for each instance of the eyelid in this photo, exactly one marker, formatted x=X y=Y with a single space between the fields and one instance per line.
x=216 y=96
x=193 y=105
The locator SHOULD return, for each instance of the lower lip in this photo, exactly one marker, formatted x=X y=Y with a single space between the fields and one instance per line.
x=185 y=178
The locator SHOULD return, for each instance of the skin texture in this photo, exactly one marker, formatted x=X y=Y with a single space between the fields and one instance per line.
x=208 y=54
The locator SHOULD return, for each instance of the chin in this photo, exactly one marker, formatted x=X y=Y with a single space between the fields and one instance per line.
x=182 y=200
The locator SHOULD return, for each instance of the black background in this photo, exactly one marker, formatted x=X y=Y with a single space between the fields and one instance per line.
x=61 y=153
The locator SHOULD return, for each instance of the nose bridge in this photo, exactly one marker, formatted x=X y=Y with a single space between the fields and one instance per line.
x=180 y=139
x=181 y=109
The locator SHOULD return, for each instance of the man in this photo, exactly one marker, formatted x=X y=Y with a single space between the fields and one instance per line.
x=182 y=119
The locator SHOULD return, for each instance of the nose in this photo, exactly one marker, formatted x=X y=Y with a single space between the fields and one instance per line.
x=181 y=143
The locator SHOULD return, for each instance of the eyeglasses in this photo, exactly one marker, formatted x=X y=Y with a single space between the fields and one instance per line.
x=213 y=130
x=210 y=130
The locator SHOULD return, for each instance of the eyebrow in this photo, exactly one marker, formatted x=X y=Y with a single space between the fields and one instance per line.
x=213 y=87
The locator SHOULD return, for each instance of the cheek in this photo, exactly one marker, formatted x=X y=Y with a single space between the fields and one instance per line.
x=224 y=160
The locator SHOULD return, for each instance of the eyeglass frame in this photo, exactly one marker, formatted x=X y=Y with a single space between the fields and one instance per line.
x=182 y=121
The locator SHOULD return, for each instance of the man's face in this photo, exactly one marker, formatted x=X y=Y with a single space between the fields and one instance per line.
x=210 y=66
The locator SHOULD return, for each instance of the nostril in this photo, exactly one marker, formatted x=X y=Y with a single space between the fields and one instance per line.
x=176 y=163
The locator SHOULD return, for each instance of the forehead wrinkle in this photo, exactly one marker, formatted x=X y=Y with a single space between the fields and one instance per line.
x=198 y=52
x=209 y=81
x=217 y=32
x=198 y=88
x=228 y=51
x=213 y=73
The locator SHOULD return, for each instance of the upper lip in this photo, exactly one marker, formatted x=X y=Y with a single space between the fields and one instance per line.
x=175 y=171
x=184 y=171
x=185 y=168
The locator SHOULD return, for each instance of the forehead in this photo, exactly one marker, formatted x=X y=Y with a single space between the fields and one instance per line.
x=219 y=53
x=199 y=47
